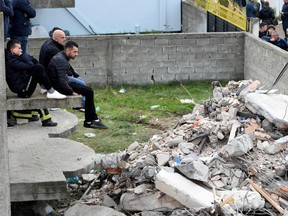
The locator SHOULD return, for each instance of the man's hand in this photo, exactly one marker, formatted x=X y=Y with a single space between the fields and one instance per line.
x=75 y=94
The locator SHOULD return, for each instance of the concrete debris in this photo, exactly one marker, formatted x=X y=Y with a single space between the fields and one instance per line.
x=149 y=201
x=180 y=188
x=239 y=145
x=243 y=199
x=205 y=164
x=196 y=170
x=95 y=210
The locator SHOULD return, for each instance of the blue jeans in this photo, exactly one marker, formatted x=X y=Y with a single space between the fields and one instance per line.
x=80 y=81
x=24 y=42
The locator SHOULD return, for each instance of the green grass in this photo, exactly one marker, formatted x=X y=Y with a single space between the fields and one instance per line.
x=129 y=115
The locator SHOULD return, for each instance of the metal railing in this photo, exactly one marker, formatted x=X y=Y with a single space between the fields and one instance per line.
x=230 y=14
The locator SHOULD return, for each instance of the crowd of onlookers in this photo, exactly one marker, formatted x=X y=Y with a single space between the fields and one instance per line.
x=268 y=21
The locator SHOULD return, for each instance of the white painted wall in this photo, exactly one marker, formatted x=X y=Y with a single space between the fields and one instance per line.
x=113 y=16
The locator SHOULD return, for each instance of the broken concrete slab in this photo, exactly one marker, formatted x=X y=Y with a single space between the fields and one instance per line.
x=239 y=145
x=273 y=147
x=245 y=200
x=176 y=186
x=80 y=209
x=196 y=170
x=150 y=201
x=272 y=106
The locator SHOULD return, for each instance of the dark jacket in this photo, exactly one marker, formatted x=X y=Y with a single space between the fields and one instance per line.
x=20 y=24
x=7 y=9
x=58 y=71
x=284 y=16
x=17 y=70
x=280 y=43
x=266 y=14
x=49 y=49
x=251 y=10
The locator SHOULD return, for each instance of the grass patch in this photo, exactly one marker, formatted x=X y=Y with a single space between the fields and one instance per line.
x=138 y=114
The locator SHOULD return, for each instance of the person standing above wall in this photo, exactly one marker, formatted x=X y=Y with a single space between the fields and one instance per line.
x=251 y=11
x=284 y=17
x=20 y=24
x=7 y=9
x=266 y=14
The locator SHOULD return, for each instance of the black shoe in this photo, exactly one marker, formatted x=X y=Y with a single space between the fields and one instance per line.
x=10 y=125
x=49 y=123
x=33 y=119
x=11 y=122
x=77 y=108
x=81 y=109
x=95 y=124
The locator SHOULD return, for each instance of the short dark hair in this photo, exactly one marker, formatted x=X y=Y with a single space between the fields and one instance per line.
x=11 y=43
x=263 y=24
x=70 y=44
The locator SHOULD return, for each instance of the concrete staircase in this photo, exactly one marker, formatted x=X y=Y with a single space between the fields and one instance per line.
x=39 y=164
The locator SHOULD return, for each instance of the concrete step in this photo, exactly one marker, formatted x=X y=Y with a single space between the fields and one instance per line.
x=39 y=164
x=38 y=100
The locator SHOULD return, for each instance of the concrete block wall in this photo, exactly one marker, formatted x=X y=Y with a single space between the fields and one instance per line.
x=4 y=160
x=264 y=61
x=193 y=19
x=52 y=3
x=161 y=58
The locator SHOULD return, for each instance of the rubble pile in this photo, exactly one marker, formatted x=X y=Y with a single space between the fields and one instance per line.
x=227 y=157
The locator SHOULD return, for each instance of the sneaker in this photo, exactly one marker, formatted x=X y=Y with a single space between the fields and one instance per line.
x=82 y=110
x=43 y=91
x=55 y=95
x=95 y=124
x=49 y=123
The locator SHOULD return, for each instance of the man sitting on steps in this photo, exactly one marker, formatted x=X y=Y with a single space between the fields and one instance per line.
x=23 y=72
x=50 y=48
x=58 y=71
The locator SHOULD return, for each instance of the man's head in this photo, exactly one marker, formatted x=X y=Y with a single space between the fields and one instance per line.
x=270 y=28
x=14 y=47
x=274 y=35
x=266 y=4
x=59 y=36
x=71 y=49
x=263 y=26
x=54 y=29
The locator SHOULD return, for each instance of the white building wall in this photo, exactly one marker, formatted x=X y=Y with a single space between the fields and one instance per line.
x=113 y=16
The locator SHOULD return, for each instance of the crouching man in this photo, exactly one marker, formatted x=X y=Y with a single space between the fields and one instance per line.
x=23 y=73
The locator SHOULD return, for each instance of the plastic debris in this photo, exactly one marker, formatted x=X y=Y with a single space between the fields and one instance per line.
x=89 y=135
x=154 y=107
x=122 y=91
x=187 y=101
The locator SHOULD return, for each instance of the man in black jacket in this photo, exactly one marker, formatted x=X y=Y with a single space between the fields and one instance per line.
x=23 y=72
x=49 y=49
x=7 y=9
x=59 y=69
